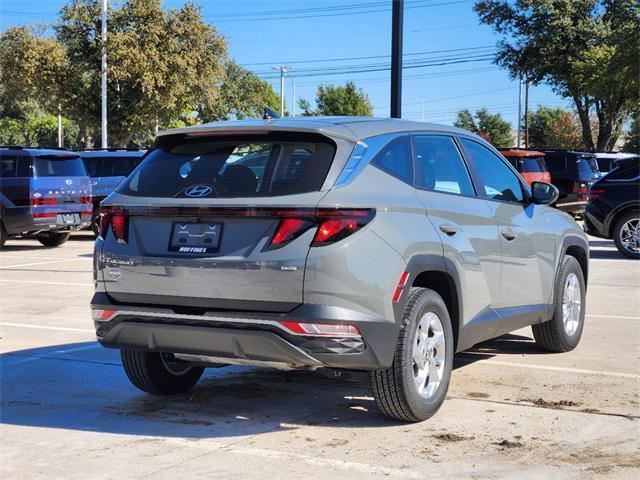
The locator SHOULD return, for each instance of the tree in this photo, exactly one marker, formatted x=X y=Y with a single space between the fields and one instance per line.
x=554 y=128
x=491 y=127
x=331 y=100
x=242 y=94
x=632 y=143
x=586 y=50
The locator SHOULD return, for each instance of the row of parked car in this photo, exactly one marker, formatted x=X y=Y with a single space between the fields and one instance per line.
x=46 y=193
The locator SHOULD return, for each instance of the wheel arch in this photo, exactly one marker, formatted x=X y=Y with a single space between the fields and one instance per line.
x=619 y=212
x=438 y=274
x=578 y=248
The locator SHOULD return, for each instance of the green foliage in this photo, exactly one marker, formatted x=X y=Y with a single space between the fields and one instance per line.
x=632 y=143
x=585 y=49
x=331 y=100
x=242 y=94
x=554 y=128
x=11 y=132
x=490 y=126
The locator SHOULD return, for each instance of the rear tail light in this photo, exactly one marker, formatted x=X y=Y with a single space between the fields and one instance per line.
x=85 y=200
x=321 y=329
x=43 y=201
x=118 y=219
x=288 y=230
x=582 y=190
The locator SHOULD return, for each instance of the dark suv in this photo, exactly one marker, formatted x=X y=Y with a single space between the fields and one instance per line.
x=572 y=173
x=45 y=193
x=107 y=168
x=614 y=207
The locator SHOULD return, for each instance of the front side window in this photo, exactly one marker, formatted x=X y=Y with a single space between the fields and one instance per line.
x=499 y=182
x=233 y=167
x=395 y=159
x=439 y=166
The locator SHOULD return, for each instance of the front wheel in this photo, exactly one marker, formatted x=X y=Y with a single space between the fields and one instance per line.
x=626 y=235
x=416 y=384
x=159 y=373
x=562 y=333
x=52 y=239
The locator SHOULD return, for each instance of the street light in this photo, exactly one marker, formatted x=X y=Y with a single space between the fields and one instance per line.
x=282 y=69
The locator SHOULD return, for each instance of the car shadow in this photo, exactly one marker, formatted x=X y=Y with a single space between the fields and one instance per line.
x=82 y=386
x=606 y=255
x=508 y=344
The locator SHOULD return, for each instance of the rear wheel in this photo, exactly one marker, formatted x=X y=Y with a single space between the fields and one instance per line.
x=416 y=384
x=562 y=333
x=52 y=239
x=3 y=234
x=626 y=235
x=159 y=373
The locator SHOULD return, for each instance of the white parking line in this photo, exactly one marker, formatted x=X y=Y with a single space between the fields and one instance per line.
x=622 y=317
x=4 y=255
x=42 y=282
x=554 y=369
x=6 y=267
x=47 y=327
x=19 y=359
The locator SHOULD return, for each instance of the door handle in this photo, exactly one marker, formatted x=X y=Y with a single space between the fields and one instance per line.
x=448 y=229
x=508 y=234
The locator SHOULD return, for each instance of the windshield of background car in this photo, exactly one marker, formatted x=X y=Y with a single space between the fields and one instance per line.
x=58 y=166
x=533 y=165
x=588 y=168
x=227 y=167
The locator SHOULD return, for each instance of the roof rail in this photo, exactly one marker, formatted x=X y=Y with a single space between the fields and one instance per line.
x=12 y=147
x=111 y=149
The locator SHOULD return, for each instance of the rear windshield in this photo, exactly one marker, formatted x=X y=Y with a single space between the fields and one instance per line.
x=53 y=166
x=588 y=168
x=533 y=165
x=247 y=166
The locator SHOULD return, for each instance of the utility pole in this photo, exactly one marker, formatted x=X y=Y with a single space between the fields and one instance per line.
x=396 y=58
x=293 y=98
x=519 y=135
x=282 y=69
x=103 y=68
x=423 y=109
x=526 y=113
x=59 y=126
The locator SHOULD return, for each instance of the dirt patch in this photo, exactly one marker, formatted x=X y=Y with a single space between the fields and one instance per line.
x=505 y=444
x=478 y=395
x=590 y=410
x=451 y=437
x=336 y=442
x=541 y=402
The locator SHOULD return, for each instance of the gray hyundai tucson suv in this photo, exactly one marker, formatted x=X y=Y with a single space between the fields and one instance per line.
x=348 y=243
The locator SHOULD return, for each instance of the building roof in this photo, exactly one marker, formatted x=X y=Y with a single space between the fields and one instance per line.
x=349 y=128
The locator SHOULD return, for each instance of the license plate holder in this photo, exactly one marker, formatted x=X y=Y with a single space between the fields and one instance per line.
x=68 y=219
x=202 y=237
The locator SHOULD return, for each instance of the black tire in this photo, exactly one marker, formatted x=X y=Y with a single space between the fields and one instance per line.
x=552 y=335
x=617 y=232
x=3 y=234
x=394 y=389
x=149 y=372
x=53 y=239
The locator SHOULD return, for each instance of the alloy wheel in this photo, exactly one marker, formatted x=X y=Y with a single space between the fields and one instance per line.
x=428 y=354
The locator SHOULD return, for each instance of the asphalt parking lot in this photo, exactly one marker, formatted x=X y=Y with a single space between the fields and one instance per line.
x=68 y=410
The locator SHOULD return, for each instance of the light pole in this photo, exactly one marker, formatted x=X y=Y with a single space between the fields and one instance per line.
x=293 y=97
x=518 y=142
x=282 y=69
x=396 y=58
x=103 y=68
x=60 y=126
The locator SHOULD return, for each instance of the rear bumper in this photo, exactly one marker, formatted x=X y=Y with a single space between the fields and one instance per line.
x=249 y=337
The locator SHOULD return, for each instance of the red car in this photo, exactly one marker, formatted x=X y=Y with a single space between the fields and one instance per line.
x=529 y=163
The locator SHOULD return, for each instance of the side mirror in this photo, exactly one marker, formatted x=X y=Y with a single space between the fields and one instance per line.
x=544 y=193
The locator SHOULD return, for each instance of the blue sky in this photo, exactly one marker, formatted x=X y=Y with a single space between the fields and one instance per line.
x=316 y=39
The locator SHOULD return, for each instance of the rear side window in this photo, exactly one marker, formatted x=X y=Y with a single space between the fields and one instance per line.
x=626 y=171
x=123 y=166
x=395 y=159
x=8 y=166
x=588 y=168
x=92 y=166
x=58 y=166
x=499 y=182
x=439 y=166
x=248 y=166
x=533 y=165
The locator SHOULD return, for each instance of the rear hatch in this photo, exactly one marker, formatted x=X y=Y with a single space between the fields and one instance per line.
x=60 y=189
x=217 y=222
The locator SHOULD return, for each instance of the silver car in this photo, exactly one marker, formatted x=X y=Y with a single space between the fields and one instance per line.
x=331 y=242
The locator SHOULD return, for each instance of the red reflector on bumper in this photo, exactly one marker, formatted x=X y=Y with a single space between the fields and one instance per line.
x=322 y=329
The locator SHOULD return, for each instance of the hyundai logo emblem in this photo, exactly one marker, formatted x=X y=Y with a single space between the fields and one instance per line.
x=68 y=181
x=198 y=191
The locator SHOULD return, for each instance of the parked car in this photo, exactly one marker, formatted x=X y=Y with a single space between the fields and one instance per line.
x=43 y=193
x=614 y=207
x=606 y=160
x=361 y=244
x=572 y=173
x=529 y=163
x=107 y=168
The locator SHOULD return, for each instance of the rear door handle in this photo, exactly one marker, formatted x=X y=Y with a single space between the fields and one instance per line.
x=508 y=234
x=448 y=229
